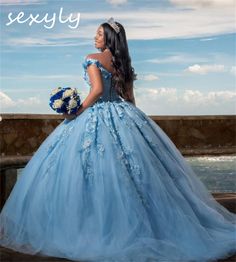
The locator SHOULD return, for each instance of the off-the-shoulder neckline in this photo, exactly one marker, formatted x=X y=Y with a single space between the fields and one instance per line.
x=100 y=64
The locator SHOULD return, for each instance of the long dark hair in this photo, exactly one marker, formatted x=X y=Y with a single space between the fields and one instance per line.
x=124 y=75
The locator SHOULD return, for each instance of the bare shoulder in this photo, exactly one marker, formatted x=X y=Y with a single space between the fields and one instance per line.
x=103 y=58
x=92 y=56
x=99 y=56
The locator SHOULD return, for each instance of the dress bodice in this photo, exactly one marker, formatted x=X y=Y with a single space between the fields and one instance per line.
x=109 y=93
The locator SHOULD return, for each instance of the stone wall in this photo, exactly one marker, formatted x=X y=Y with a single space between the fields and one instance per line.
x=22 y=134
x=201 y=135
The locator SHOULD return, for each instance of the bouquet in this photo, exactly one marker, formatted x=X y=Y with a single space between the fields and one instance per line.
x=65 y=100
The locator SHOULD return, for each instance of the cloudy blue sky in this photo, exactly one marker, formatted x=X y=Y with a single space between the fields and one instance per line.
x=182 y=50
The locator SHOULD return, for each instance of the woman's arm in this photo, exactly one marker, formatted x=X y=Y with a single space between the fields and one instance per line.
x=96 y=88
x=95 y=92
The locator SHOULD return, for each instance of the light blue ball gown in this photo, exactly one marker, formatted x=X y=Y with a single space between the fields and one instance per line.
x=110 y=185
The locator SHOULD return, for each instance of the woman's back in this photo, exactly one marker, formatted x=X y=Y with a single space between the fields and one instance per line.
x=105 y=59
x=109 y=93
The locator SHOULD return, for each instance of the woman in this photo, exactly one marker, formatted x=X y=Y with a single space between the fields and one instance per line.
x=109 y=184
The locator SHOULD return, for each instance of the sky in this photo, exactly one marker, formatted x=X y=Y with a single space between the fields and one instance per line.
x=183 y=52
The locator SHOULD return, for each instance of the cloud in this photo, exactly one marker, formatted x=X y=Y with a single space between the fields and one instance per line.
x=42 y=77
x=152 y=101
x=34 y=41
x=204 y=69
x=155 y=94
x=208 y=39
x=177 y=59
x=20 y=2
x=170 y=101
x=143 y=24
x=148 y=77
x=116 y=2
x=28 y=101
x=233 y=70
x=6 y=102
x=213 y=97
x=168 y=23
x=203 y=3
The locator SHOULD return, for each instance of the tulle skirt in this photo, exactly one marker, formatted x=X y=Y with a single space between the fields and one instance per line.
x=110 y=185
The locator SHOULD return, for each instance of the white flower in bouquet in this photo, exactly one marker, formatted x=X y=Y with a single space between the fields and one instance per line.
x=57 y=103
x=67 y=93
x=55 y=91
x=72 y=105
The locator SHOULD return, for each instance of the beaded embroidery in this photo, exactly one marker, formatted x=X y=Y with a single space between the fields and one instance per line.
x=103 y=111
x=125 y=154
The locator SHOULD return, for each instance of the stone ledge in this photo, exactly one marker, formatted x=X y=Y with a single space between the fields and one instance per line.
x=154 y=117
x=216 y=151
x=228 y=200
x=191 y=117
x=13 y=161
x=6 y=116
x=22 y=134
